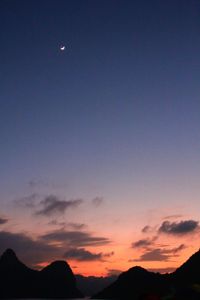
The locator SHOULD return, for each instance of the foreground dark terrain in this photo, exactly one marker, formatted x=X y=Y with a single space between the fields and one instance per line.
x=58 y=281
x=19 y=281
x=138 y=283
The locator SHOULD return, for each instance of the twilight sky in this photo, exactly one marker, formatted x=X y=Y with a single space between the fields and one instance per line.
x=100 y=143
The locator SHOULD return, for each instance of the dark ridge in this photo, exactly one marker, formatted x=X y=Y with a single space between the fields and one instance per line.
x=138 y=283
x=58 y=281
x=18 y=281
x=90 y=285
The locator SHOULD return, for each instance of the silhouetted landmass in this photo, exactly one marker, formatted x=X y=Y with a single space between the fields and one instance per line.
x=138 y=283
x=57 y=281
x=135 y=284
x=92 y=284
x=19 y=281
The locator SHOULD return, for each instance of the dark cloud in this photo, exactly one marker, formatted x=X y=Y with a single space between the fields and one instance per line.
x=143 y=243
x=179 y=228
x=81 y=254
x=160 y=254
x=147 y=229
x=97 y=201
x=52 y=205
x=30 y=251
x=75 y=238
x=3 y=220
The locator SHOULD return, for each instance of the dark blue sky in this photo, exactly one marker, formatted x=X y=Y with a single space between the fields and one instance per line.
x=116 y=115
x=127 y=85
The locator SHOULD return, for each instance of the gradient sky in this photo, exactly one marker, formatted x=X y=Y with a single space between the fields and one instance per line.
x=102 y=139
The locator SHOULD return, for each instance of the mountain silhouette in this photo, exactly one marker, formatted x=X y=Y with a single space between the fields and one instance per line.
x=190 y=270
x=58 y=281
x=187 y=279
x=136 y=283
x=19 y=281
x=90 y=285
x=140 y=284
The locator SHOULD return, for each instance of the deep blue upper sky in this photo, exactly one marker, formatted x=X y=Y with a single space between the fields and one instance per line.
x=121 y=104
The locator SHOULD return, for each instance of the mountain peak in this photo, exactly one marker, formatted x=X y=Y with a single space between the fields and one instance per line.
x=59 y=269
x=9 y=254
x=59 y=265
x=18 y=281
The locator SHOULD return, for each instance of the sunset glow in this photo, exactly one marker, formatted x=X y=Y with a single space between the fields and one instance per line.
x=100 y=141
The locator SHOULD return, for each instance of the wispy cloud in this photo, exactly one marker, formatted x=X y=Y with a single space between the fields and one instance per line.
x=81 y=254
x=28 y=201
x=179 y=228
x=97 y=201
x=147 y=229
x=76 y=226
x=69 y=225
x=172 y=217
x=160 y=254
x=52 y=205
x=75 y=238
x=143 y=243
x=41 y=183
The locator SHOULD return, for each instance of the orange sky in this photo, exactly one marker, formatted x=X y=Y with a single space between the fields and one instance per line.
x=102 y=245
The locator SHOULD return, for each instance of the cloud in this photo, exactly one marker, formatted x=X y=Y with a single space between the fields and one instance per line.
x=75 y=238
x=154 y=255
x=30 y=251
x=28 y=201
x=77 y=226
x=52 y=205
x=147 y=229
x=72 y=225
x=97 y=201
x=159 y=254
x=40 y=183
x=179 y=228
x=178 y=249
x=143 y=243
x=81 y=254
x=56 y=223
x=172 y=217
x=3 y=220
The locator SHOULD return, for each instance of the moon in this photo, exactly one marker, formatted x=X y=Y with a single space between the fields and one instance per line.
x=62 y=48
